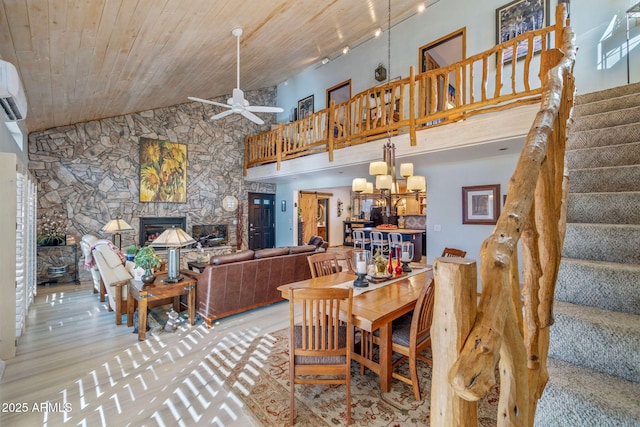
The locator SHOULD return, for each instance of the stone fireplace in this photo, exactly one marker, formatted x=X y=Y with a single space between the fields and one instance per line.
x=151 y=227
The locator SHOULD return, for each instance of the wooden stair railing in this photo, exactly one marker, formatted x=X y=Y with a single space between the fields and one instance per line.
x=410 y=104
x=508 y=331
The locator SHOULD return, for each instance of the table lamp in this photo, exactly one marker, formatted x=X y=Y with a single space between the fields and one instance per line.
x=173 y=239
x=115 y=227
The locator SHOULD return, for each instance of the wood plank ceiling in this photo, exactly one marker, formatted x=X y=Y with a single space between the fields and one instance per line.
x=81 y=60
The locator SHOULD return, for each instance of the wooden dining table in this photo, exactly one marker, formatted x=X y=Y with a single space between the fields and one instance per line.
x=375 y=310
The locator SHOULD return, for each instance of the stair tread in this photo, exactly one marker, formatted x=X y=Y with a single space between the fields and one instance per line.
x=596 y=388
x=609 y=318
x=603 y=167
x=611 y=264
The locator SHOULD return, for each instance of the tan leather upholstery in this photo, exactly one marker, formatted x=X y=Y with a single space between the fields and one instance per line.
x=235 y=284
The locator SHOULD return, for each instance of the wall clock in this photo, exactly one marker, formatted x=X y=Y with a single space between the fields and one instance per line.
x=230 y=203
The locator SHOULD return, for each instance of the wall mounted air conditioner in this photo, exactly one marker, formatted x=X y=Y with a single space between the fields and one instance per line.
x=13 y=101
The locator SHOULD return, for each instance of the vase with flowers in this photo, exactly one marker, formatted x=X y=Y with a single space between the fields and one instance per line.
x=53 y=229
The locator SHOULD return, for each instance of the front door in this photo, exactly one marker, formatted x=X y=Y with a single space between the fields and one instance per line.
x=262 y=224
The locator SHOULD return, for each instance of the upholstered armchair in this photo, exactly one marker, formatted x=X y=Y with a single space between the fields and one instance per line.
x=115 y=277
x=87 y=243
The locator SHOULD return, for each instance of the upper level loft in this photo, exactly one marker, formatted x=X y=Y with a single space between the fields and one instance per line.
x=488 y=82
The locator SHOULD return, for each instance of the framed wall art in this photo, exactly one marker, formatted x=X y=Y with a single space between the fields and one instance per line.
x=481 y=204
x=518 y=17
x=163 y=171
x=339 y=93
x=305 y=107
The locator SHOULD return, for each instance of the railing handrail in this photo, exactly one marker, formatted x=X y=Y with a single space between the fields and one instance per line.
x=416 y=101
x=535 y=213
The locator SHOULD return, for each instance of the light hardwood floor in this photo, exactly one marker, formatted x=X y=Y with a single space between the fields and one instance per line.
x=73 y=354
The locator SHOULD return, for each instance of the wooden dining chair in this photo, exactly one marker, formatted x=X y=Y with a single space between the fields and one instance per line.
x=323 y=263
x=410 y=336
x=320 y=343
x=453 y=252
x=348 y=257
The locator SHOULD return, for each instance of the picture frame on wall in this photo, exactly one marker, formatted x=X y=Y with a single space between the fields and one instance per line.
x=518 y=17
x=163 y=171
x=481 y=204
x=305 y=107
x=339 y=93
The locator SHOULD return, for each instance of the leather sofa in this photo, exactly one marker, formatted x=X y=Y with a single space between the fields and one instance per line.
x=245 y=280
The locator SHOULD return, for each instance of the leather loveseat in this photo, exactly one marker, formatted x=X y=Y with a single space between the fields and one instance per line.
x=248 y=279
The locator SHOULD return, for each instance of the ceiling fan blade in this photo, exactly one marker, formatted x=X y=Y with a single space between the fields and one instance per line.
x=221 y=115
x=262 y=109
x=206 y=101
x=249 y=115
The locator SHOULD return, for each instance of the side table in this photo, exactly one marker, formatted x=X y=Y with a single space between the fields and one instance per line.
x=158 y=290
x=196 y=266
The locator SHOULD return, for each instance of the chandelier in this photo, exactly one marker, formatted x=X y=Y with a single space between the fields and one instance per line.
x=385 y=173
x=386 y=180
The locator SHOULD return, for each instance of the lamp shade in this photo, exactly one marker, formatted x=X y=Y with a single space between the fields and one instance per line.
x=378 y=168
x=369 y=188
x=173 y=237
x=117 y=225
x=359 y=185
x=383 y=182
x=417 y=183
x=406 y=169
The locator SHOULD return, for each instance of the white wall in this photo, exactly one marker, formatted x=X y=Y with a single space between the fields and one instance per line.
x=444 y=202
x=599 y=27
x=8 y=143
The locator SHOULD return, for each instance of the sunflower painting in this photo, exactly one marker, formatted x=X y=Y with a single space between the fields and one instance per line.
x=163 y=171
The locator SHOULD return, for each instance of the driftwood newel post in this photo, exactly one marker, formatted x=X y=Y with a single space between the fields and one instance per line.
x=453 y=316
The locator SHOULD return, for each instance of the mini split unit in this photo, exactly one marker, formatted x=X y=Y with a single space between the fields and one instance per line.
x=12 y=98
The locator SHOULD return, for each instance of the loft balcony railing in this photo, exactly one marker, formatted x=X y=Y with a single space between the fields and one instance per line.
x=507 y=331
x=480 y=84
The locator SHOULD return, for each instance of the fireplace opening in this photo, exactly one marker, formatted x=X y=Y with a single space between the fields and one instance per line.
x=152 y=227
x=210 y=235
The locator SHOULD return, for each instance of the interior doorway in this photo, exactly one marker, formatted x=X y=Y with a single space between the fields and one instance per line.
x=314 y=212
x=447 y=50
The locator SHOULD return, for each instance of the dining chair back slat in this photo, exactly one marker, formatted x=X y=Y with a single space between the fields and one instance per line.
x=320 y=340
x=323 y=264
x=453 y=252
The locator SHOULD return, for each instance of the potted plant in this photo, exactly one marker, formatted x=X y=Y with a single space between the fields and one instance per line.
x=147 y=259
x=131 y=252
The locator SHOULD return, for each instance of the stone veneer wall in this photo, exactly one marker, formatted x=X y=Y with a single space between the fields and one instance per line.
x=89 y=171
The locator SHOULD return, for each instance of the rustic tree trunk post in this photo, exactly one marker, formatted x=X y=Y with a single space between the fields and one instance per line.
x=453 y=316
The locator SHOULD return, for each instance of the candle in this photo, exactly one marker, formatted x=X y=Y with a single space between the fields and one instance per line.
x=361 y=267
x=405 y=256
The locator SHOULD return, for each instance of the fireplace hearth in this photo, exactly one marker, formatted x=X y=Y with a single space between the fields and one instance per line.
x=151 y=227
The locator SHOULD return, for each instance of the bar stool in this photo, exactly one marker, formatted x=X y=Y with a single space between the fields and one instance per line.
x=377 y=241
x=395 y=240
x=359 y=239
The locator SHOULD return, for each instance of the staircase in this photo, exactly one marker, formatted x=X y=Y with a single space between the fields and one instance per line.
x=594 y=352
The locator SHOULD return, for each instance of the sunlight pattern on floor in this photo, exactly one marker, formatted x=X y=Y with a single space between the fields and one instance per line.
x=177 y=379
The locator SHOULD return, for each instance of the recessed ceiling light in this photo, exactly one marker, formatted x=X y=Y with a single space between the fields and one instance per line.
x=345 y=50
x=421 y=7
x=325 y=61
x=378 y=32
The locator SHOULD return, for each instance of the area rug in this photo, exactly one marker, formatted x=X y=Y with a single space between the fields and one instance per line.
x=267 y=393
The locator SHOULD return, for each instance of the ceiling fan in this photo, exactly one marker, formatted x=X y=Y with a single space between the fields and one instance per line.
x=237 y=103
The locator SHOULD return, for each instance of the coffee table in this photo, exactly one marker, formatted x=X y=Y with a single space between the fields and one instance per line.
x=158 y=290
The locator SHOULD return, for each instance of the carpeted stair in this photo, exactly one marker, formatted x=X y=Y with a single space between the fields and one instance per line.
x=594 y=351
